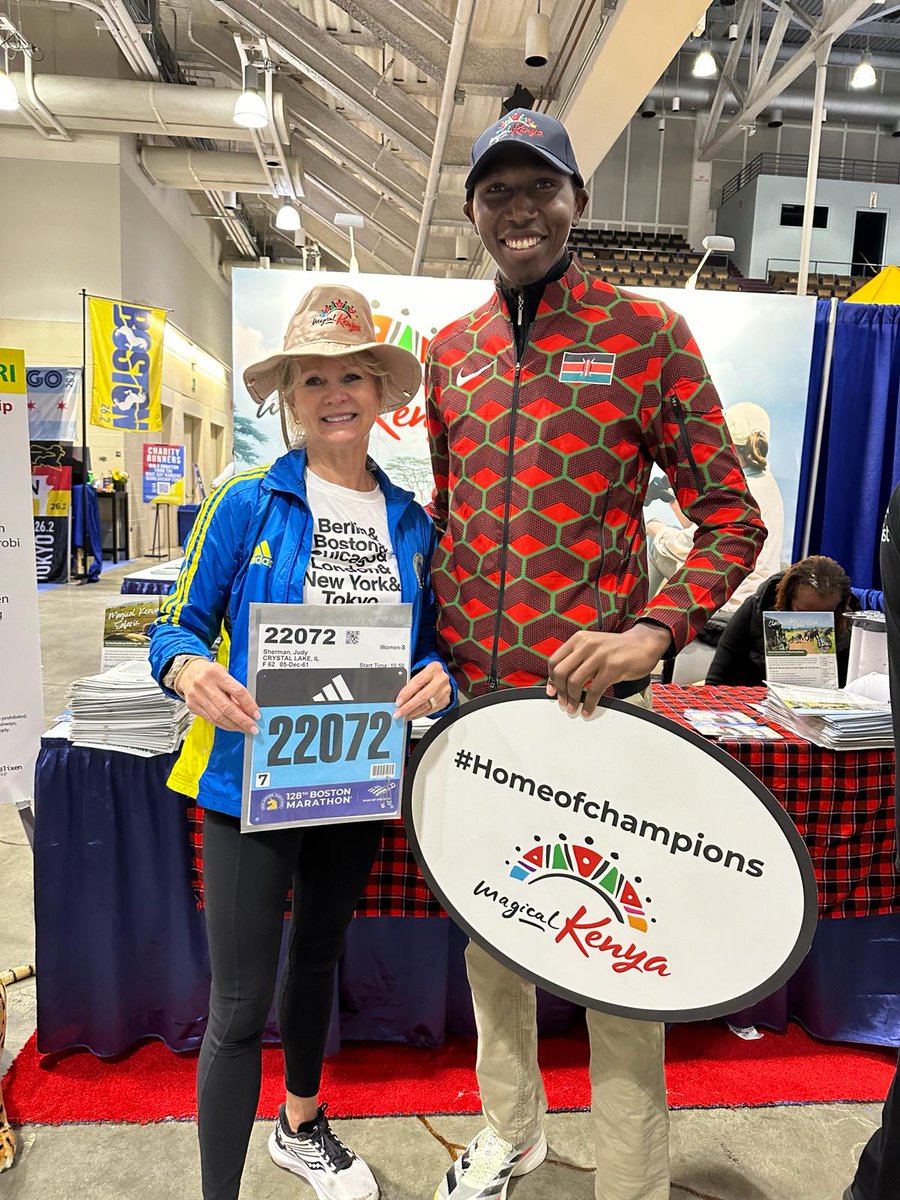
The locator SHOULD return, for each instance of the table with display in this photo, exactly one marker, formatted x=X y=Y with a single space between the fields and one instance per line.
x=121 y=946
x=154 y=580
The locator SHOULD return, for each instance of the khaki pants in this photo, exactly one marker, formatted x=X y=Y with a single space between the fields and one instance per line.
x=629 y=1112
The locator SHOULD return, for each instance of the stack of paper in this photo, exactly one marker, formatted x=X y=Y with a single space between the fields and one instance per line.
x=124 y=709
x=833 y=718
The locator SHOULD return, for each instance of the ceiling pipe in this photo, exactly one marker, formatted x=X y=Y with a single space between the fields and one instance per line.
x=461 y=25
x=136 y=106
x=839 y=56
x=862 y=108
x=210 y=170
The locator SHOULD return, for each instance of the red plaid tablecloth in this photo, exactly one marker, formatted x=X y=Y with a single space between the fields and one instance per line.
x=842 y=804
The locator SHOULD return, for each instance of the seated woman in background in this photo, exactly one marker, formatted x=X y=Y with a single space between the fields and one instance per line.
x=815 y=584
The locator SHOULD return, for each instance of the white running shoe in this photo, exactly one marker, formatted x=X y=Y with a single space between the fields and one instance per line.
x=319 y=1157
x=488 y=1163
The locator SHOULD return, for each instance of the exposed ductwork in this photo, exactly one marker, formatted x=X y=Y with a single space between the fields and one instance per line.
x=132 y=106
x=210 y=170
x=860 y=109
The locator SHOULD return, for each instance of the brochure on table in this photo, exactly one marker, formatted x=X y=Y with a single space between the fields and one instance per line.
x=800 y=649
x=325 y=679
x=126 y=630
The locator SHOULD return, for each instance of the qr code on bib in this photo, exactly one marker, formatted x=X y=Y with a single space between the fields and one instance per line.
x=351 y=637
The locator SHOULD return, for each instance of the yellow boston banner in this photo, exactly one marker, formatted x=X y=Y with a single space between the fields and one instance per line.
x=127 y=350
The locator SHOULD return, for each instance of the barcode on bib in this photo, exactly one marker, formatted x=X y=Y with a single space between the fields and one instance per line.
x=383 y=770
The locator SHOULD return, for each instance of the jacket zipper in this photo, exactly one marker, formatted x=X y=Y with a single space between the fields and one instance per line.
x=679 y=417
x=504 y=551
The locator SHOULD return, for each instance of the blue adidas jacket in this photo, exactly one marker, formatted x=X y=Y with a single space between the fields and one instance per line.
x=218 y=582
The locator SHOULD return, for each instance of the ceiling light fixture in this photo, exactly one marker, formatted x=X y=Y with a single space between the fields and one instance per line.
x=250 y=108
x=351 y=221
x=287 y=219
x=705 y=65
x=863 y=74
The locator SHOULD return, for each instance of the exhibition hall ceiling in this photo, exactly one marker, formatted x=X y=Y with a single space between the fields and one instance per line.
x=376 y=102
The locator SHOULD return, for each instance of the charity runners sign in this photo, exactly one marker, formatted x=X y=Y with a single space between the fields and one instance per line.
x=621 y=862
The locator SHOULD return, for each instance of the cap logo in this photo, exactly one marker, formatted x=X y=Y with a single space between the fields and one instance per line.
x=338 y=312
x=516 y=124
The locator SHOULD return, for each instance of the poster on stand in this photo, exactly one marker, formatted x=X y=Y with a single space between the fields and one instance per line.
x=163 y=474
x=21 y=693
x=53 y=397
x=801 y=649
x=51 y=497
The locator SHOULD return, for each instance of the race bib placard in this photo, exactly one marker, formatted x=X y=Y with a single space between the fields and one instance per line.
x=621 y=862
x=325 y=679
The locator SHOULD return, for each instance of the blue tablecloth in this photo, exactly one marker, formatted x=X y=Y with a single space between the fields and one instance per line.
x=187 y=514
x=121 y=946
x=86 y=498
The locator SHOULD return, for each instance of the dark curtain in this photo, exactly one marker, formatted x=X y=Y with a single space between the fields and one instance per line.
x=860 y=457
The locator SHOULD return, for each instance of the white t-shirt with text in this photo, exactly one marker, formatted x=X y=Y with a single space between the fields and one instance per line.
x=352 y=560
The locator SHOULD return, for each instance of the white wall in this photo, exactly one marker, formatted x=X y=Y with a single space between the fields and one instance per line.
x=757 y=207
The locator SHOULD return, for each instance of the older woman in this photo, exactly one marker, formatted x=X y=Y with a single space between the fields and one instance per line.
x=333 y=379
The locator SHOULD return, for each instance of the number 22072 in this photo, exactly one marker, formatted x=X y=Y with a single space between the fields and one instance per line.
x=334 y=738
x=286 y=635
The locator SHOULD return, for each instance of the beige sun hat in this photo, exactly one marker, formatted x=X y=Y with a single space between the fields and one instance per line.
x=335 y=321
x=745 y=419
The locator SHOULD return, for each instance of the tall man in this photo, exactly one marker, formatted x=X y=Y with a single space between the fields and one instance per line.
x=878 y=1171
x=546 y=408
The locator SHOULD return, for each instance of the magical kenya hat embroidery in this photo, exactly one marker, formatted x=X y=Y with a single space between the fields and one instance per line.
x=536 y=131
x=335 y=322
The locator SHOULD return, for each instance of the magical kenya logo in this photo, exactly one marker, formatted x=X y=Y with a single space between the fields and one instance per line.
x=618 y=914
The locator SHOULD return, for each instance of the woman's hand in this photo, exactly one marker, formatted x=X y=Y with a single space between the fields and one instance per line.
x=427 y=692
x=210 y=692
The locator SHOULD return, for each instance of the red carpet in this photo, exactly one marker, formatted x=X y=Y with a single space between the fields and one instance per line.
x=707 y=1067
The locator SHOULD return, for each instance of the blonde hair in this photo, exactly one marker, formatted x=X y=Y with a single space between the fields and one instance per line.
x=290 y=369
x=754 y=452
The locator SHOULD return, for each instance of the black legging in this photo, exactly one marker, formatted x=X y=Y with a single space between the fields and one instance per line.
x=246 y=877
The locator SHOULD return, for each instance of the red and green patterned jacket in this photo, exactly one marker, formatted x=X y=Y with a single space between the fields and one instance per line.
x=540 y=482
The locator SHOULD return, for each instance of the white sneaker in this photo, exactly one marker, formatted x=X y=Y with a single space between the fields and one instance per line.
x=319 y=1157
x=488 y=1163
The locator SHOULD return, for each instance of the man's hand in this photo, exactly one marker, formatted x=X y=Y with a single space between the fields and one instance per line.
x=589 y=663
x=210 y=692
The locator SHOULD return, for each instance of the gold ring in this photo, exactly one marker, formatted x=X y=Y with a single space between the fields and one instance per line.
x=432 y=702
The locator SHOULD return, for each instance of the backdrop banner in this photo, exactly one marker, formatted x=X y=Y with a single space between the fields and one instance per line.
x=757 y=349
x=622 y=862
x=127 y=352
x=51 y=498
x=53 y=397
x=21 y=694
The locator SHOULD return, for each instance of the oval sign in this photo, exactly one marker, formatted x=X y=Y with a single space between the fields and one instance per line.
x=621 y=862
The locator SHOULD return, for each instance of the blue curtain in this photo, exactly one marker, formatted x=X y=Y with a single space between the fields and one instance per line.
x=860 y=459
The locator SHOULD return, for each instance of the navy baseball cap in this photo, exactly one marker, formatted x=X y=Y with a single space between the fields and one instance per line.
x=536 y=131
